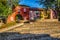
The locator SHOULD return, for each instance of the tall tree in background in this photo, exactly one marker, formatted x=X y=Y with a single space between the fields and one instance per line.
x=52 y=4
x=6 y=6
x=3 y=7
x=48 y=4
x=12 y=3
x=58 y=9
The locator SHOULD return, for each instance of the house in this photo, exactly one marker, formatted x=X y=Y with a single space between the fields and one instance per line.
x=23 y=12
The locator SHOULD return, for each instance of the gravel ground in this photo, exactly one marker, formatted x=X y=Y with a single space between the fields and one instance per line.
x=18 y=36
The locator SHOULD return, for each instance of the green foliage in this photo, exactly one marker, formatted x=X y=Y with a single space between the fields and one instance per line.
x=47 y=3
x=5 y=8
x=15 y=2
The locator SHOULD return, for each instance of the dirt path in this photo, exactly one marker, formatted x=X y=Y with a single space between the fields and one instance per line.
x=38 y=27
x=10 y=28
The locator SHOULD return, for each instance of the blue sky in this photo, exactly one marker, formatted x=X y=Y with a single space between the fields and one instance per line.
x=31 y=3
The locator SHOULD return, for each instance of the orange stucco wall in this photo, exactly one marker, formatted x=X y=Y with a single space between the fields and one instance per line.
x=25 y=15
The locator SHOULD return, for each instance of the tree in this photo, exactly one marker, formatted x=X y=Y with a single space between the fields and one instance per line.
x=58 y=8
x=12 y=3
x=5 y=7
x=48 y=4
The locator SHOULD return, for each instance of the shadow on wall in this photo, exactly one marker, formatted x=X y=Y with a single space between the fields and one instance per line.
x=18 y=36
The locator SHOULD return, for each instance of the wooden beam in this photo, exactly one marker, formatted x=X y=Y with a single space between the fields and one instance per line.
x=12 y=27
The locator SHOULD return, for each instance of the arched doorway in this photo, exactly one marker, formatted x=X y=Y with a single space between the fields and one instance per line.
x=18 y=18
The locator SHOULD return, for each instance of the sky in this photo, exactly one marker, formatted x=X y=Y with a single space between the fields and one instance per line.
x=30 y=3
